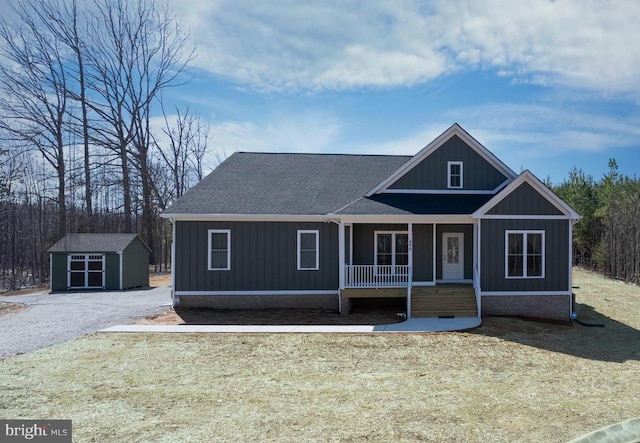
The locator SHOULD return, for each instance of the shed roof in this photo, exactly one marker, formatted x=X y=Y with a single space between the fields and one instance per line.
x=94 y=243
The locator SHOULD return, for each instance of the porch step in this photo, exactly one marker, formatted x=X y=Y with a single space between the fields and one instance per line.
x=443 y=301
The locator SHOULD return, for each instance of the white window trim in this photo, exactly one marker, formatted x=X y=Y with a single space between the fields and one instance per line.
x=209 y=236
x=393 y=246
x=299 y=249
x=452 y=163
x=524 y=253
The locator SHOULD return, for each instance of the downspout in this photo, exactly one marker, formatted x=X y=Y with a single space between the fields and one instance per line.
x=572 y=313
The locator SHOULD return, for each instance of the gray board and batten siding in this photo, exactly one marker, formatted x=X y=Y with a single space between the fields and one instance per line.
x=492 y=259
x=263 y=257
x=431 y=173
x=524 y=200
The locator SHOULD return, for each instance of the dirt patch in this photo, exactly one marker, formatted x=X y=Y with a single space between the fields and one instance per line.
x=159 y=278
x=270 y=317
x=9 y=308
x=25 y=291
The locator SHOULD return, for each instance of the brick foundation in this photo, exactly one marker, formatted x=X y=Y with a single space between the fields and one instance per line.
x=552 y=307
x=258 y=301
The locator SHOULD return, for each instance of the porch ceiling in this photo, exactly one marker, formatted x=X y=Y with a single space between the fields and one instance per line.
x=421 y=204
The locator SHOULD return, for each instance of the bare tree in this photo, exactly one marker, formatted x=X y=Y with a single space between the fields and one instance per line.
x=64 y=22
x=186 y=148
x=33 y=105
x=138 y=50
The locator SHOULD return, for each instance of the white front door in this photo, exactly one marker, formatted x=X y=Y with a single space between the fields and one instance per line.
x=453 y=256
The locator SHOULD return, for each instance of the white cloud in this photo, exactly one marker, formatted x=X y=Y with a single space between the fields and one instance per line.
x=305 y=132
x=293 y=45
x=548 y=129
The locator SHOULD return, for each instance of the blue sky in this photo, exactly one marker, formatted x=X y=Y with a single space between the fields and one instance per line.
x=544 y=85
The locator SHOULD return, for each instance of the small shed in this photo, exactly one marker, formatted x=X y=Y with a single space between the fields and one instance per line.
x=99 y=261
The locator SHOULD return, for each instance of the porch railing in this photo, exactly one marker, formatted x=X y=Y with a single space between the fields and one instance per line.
x=376 y=276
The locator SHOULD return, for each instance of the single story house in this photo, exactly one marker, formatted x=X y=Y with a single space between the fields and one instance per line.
x=452 y=230
x=99 y=261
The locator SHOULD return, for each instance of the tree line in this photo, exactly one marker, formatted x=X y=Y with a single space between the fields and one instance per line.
x=79 y=85
x=607 y=238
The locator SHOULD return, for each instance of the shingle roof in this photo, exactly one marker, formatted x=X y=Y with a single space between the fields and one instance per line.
x=92 y=243
x=286 y=184
x=400 y=204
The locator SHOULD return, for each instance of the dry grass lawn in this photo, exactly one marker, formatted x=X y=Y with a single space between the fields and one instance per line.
x=509 y=380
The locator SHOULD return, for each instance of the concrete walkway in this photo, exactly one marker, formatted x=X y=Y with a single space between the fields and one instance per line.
x=411 y=325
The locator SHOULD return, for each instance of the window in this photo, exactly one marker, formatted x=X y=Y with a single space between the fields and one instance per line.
x=391 y=249
x=454 y=175
x=524 y=251
x=308 y=250
x=219 y=250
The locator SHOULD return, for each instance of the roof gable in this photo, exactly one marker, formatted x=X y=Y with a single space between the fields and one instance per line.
x=455 y=144
x=526 y=196
x=525 y=200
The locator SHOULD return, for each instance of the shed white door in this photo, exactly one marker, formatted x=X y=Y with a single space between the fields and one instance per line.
x=453 y=256
x=85 y=271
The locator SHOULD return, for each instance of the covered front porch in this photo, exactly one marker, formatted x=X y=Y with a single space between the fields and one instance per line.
x=431 y=264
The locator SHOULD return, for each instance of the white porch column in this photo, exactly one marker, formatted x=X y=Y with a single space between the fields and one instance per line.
x=410 y=276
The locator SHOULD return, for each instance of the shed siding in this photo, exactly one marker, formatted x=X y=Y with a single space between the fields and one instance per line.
x=135 y=272
x=112 y=271
x=467 y=230
x=263 y=257
x=58 y=271
x=525 y=201
x=493 y=255
x=431 y=173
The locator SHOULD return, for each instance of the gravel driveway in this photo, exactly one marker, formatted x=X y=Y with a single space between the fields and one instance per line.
x=55 y=318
